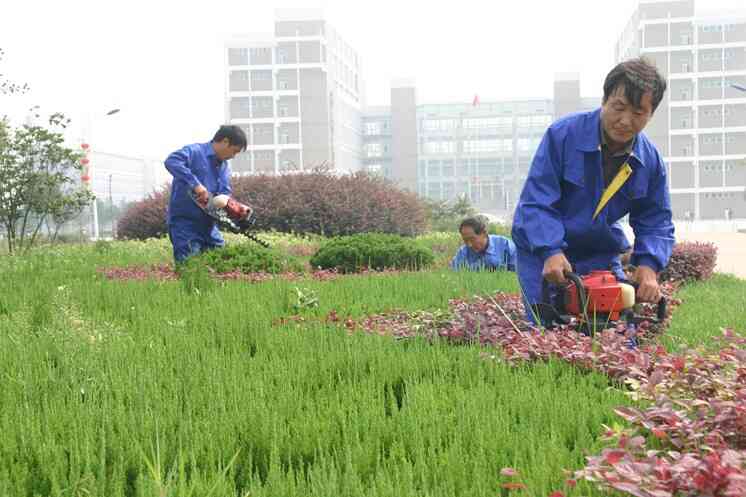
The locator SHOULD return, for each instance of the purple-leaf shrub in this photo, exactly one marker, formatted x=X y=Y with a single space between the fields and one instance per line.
x=317 y=201
x=690 y=261
x=145 y=218
x=321 y=202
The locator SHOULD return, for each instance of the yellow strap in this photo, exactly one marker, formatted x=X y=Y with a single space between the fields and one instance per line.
x=621 y=177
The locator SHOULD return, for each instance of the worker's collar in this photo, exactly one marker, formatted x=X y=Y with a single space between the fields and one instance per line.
x=212 y=155
x=604 y=146
x=589 y=138
x=486 y=248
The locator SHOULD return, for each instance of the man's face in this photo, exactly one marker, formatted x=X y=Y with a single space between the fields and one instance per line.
x=225 y=151
x=475 y=242
x=621 y=120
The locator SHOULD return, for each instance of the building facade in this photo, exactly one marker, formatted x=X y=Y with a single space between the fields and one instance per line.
x=298 y=94
x=700 y=127
x=480 y=150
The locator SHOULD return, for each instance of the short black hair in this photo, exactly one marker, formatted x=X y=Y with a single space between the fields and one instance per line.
x=474 y=223
x=636 y=77
x=236 y=136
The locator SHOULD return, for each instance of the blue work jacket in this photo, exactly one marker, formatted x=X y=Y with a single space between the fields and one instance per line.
x=190 y=166
x=564 y=187
x=500 y=253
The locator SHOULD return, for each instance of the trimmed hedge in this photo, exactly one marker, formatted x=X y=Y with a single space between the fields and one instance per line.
x=316 y=202
x=325 y=204
x=376 y=251
x=690 y=261
x=146 y=218
x=249 y=258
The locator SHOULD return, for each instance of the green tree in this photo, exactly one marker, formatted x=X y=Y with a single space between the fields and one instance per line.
x=37 y=175
x=446 y=215
x=37 y=180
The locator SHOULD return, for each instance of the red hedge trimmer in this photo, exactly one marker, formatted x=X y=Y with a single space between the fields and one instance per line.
x=231 y=215
x=594 y=302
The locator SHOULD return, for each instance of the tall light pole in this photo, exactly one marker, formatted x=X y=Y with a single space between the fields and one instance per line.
x=738 y=87
x=89 y=176
x=111 y=207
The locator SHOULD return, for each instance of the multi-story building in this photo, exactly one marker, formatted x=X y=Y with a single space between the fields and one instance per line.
x=298 y=93
x=700 y=127
x=121 y=179
x=481 y=150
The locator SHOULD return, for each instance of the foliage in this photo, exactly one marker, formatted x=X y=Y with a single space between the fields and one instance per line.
x=444 y=215
x=37 y=180
x=8 y=87
x=691 y=261
x=377 y=251
x=323 y=203
x=248 y=258
x=146 y=218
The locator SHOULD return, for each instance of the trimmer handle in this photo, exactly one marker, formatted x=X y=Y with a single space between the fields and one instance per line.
x=662 y=306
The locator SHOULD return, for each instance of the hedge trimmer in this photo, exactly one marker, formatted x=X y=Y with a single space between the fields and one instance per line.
x=231 y=215
x=595 y=302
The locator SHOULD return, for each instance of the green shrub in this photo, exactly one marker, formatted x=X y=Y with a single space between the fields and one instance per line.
x=377 y=251
x=249 y=258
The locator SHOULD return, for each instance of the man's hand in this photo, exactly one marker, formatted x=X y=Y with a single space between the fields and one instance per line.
x=555 y=268
x=648 y=289
x=202 y=195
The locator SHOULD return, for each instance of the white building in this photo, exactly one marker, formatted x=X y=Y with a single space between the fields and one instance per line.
x=700 y=127
x=298 y=94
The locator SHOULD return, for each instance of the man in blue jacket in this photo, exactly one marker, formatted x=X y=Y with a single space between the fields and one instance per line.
x=199 y=168
x=481 y=250
x=590 y=170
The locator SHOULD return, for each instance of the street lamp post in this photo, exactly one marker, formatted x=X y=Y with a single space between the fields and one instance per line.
x=738 y=87
x=111 y=207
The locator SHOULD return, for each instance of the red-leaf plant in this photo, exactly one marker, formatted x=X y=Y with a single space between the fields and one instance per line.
x=696 y=400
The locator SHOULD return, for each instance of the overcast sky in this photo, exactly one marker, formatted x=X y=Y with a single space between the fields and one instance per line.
x=161 y=61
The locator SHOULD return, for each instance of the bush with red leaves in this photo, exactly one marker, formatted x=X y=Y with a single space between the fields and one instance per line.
x=311 y=202
x=146 y=218
x=690 y=261
x=322 y=203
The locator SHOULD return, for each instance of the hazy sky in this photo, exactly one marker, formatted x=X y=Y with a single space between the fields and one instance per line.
x=161 y=61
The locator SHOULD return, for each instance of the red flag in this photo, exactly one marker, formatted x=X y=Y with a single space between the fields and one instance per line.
x=476 y=100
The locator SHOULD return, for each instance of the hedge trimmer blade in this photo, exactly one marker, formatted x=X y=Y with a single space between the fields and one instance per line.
x=221 y=216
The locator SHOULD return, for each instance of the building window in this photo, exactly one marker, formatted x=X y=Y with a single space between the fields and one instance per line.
x=373 y=128
x=440 y=147
x=373 y=149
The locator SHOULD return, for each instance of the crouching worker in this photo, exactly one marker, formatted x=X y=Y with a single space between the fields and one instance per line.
x=482 y=251
x=200 y=169
x=591 y=170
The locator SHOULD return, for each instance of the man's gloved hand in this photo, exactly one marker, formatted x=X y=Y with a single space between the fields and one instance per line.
x=648 y=289
x=202 y=195
x=555 y=268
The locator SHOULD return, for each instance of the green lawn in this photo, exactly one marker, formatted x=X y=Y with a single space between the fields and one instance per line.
x=114 y=388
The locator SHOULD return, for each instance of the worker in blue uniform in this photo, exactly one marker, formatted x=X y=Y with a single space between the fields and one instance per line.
x=200 y=168
x=591 y=170
x=482 y=251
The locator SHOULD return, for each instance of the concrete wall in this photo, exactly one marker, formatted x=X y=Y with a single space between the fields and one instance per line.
x=404 y=137
x=314 y=105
